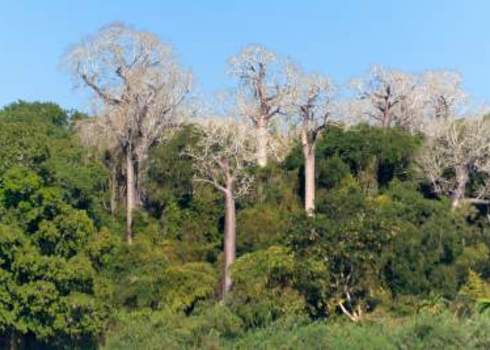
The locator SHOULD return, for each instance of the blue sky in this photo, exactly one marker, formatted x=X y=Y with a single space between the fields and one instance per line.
x=339 y=38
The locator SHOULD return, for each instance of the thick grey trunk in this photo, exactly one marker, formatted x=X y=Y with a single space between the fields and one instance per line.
x=459 y=193
x=262 y=136
x=386 y=119
x=230 y=239
x=131 y=194
x=309 y=155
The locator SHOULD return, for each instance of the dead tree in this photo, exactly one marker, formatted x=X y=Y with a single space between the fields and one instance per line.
x=312 y=108
x=455 y=150
x=443 y=94
x=389 y=98
x=137 y=85
x=221 y=158
x=264 y=92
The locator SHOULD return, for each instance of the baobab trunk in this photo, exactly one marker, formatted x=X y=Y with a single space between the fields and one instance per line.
x=459 y=192
x=262 y=136
x=131 y=193
x=230 y=239
x=309 y=155
x=386 y=118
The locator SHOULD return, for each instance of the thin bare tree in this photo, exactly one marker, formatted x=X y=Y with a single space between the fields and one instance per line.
x=264 y=91
x=138 y=85
x=455 y=150
x=443 y=93
x=389 y=98
x=222 y=157
x=312 y=105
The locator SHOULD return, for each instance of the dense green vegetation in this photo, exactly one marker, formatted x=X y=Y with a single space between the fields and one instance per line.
x=416 y=272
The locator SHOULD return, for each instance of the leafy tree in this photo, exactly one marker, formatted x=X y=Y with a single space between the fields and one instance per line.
x=263 y=288
x=51 y=292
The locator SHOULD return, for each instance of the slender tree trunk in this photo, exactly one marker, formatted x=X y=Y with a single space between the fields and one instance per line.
x=130 y=196
x=13 y=341
x=262 y=136
x=230 y=238
x=386 y=118
x=309 y=155
x=459 y=193
x=113 y=186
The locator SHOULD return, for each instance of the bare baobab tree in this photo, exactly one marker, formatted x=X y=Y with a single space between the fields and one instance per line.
x=263 y=93
x=455 y=150
x=312 y=106
x=389 y=98
x=443 y=93
x=221 y=158
x=138 y=84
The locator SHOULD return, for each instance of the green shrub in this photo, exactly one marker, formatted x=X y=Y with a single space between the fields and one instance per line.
x=263 y=287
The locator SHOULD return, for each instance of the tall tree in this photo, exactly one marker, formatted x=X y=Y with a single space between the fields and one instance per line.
x=444 y=96
x=456 y=150
x=388 y=97
x=222 y=157
x=138 y=85
x=312 y=104
x=264 y=91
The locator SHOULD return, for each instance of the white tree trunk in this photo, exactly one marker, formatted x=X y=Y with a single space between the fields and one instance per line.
x=262 y=136
x=229 y=240
x=131 y=193
x=386 y=117
x=459 y=193
x=309 y=155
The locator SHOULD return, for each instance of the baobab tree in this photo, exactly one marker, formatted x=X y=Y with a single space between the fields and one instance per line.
x=221 y=158
x=264 y=91
x=312 y=104
x=138 y=85
x=455 y=150
x=443 y=93
x=389 y=98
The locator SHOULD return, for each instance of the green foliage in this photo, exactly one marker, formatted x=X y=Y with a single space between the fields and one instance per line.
x=483 y=305
x=49 y=288
x=146 y=275
x=170 y=173
x=391 y=149
x=21 y=145
x=49 y=296
x=380 y=243
x=421 y=332
x=428 y=242
x=168 y=330
x=262 y=290
x=44 y=113
x=475 y=288
x=260 y=226
x=187 y=212
x=429 y=332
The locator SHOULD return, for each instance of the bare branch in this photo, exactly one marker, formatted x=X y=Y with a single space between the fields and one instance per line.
x=223 y=155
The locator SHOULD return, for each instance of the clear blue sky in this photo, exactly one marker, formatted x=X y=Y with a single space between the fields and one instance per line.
x=341 y=38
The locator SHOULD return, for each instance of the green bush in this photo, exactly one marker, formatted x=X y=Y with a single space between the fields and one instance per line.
x=263 y=287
